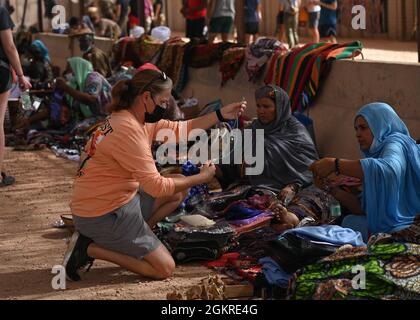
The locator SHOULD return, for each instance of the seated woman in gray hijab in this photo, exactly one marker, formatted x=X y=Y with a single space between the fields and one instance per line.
x=288 y=148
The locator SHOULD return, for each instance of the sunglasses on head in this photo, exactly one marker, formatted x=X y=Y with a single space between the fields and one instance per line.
x=162 y=76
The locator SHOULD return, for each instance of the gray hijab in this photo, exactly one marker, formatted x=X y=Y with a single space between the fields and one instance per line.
x=288 y=147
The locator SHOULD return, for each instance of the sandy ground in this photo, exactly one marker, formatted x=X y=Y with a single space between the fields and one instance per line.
x=30 y=247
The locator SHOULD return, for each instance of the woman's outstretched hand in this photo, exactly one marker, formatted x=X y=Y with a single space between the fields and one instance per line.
x=207 y=171
x=233 y=110
x=322 y=168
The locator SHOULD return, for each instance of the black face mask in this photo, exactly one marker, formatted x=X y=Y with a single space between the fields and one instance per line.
x=156 y=115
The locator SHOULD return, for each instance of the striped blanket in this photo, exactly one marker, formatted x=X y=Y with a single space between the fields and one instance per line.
x=301 y=71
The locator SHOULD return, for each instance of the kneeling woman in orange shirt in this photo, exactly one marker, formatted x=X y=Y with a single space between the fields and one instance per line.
x=119 y=195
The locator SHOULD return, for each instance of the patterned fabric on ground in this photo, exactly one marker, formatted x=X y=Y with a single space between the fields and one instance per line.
x=249 y=208
x=392 y=273
x=312 y=202
x=231 y=63
x=300 y=72
x=258 y=53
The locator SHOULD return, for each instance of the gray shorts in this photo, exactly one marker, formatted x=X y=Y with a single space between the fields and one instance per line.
x=123 y=230
x=314 y=19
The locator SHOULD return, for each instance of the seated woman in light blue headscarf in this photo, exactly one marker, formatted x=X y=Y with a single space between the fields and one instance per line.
x=390 y=172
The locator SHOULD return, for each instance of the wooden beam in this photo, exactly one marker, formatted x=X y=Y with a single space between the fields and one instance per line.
x=418 y=28
x=81 y=8
x=240 y=20
x=404 y=19
x=40 y=17
x=140 y=13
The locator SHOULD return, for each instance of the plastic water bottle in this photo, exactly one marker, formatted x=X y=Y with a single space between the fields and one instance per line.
x=26 y=101
x=335 y=209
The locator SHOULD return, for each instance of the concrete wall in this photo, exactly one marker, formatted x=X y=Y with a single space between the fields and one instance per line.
x=349 y=86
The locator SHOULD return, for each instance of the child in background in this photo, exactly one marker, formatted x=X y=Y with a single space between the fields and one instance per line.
x=328 y=20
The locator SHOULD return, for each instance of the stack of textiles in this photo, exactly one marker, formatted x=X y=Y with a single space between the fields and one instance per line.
x=258 y=54
x=299 y=247
x=232 y=61
x=301 y=71
x=204 y=55
x=392 y=272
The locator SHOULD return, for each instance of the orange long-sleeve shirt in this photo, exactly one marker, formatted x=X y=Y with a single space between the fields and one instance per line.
x=119 y=162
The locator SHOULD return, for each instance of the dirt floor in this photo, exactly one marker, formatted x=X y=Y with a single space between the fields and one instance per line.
x=30 y=247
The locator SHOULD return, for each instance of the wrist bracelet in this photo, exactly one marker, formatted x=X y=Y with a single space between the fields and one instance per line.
x=219 y=116
x=337 y=166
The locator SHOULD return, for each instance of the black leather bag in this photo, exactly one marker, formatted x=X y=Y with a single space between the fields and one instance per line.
x=293 y=252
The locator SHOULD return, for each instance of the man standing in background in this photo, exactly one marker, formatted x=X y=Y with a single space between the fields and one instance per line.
x=253 y=16
x=222 y=13
x=195 y=12
x=314 y=11
x=291 y=21
x=123 y=11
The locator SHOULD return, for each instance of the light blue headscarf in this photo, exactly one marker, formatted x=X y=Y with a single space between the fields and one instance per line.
x=44 y=50
x=391 y=186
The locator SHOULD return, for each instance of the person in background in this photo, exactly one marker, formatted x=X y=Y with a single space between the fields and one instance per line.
x=328 y=19
x=9 y=64
x=222 y=13
x=195 y=12
x=291 y=21
x=280 y=28
x=159 y=14
x=314 y=11
x=123 y=10
x=96 y=56
x=103 y=27
x=108 y=9
x=39 y=70
x=87 y=92
x=149 y=15
x=253 y=16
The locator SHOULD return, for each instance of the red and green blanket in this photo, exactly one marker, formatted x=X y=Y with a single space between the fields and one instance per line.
x=301 y=71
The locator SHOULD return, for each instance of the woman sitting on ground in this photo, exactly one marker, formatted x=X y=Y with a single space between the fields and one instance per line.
x=288 y=148
x=390 y=173
x=39 y=69
x=86 y=94
x=119 y=195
